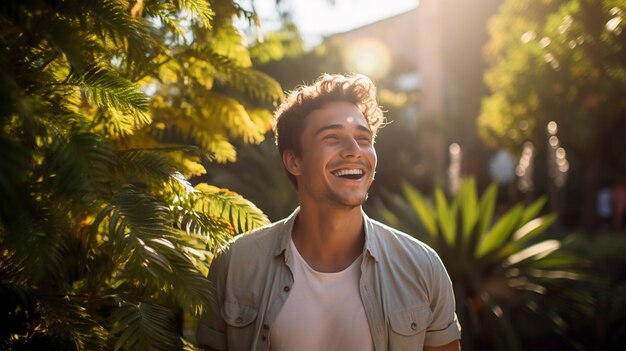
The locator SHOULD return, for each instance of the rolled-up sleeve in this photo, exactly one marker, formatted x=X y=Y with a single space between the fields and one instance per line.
x=212 y=328
x=445 y=326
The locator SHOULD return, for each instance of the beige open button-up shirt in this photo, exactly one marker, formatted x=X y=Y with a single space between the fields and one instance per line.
x=405 y=290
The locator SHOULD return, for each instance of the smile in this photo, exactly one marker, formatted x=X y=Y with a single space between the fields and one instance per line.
x=349 y=173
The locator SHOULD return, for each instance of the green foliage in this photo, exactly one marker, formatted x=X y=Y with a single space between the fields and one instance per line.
x=602 y=324
x=106 y=108
x=260 y=176
x=498 y=263
x=560 y=60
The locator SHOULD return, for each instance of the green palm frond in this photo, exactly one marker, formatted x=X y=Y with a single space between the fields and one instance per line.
x=255 y=84
x=112 y=21
x=165 y=13
x=219 y=146
x=216 y=145
x=227 y=41
x=109 y=90
x=51 y=254
x=132 y=38
x=214 y=232
x=144 y=326
x=231 y=115
x=241 y=213
x=137 y=216
x=63 y=36
x=148 y=248
x=79 y=164
x=152 y=167
x=114 y=123
x=201 y=8
x=96 y=214
x=208 y=125
x=161 y=265
x=70 y=325
x=267 y=187
x=15 y=160
x=45 y=252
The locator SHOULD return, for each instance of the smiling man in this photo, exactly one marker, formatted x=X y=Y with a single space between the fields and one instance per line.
x=328 y=277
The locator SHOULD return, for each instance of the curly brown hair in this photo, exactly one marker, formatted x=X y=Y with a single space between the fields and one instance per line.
x=290 y=117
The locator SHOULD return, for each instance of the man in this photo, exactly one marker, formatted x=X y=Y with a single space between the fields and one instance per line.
x=328 y=277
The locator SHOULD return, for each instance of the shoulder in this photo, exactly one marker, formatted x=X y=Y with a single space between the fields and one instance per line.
x=394 y=240
x=255 y=247
x=261 y=239
x=248 y=258
x=396 y=248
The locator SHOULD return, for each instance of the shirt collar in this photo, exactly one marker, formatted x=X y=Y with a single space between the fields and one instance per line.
x=282 y=242
x=371 y=244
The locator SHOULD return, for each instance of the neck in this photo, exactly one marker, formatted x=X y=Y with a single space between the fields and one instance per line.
x=329 y=239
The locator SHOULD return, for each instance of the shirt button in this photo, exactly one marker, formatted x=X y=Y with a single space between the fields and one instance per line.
x=266 y=327
x=263 y=338
x=413 y=326
x=286 y=289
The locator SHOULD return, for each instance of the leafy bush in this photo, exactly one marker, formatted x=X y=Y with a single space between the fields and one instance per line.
x=106 y=108
x=499 y=266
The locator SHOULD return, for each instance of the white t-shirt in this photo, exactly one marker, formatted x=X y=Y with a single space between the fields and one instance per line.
x=323 y=312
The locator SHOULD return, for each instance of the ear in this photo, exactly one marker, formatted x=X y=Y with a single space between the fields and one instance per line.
x=291 y=163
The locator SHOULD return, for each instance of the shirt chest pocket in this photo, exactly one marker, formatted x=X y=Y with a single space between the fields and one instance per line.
x=408 y=328
x=240 y=324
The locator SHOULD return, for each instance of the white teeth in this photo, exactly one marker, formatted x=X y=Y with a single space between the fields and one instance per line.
x=347 y=171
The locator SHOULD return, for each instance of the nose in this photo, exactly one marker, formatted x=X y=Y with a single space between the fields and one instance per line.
x=350 y=148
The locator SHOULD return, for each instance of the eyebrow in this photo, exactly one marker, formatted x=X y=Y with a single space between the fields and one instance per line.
x=339 y=126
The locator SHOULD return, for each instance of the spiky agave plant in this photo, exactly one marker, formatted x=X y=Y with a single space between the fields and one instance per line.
x=498 y=265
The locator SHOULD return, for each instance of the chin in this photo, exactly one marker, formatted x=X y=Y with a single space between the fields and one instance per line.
x=353 y=202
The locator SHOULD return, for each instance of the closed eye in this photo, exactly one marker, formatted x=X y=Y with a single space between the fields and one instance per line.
x=366 y=140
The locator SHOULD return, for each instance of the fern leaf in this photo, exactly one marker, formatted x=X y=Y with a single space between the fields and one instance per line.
x=109 y=90
x=145 y=326
x=112 y=21
x=239 y=212
x=255 y=84
x=150 y=248
x=200 y=8
x=219 y=146
x=152 y=167
x=71 y=325
x=233 y=115
x=227 y=41
x=214 y=229
x=81 y=163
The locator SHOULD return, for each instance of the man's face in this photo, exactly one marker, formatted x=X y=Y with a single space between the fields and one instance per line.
x=338 y=160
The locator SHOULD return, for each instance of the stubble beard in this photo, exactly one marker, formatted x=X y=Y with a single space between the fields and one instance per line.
x=348 y=202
